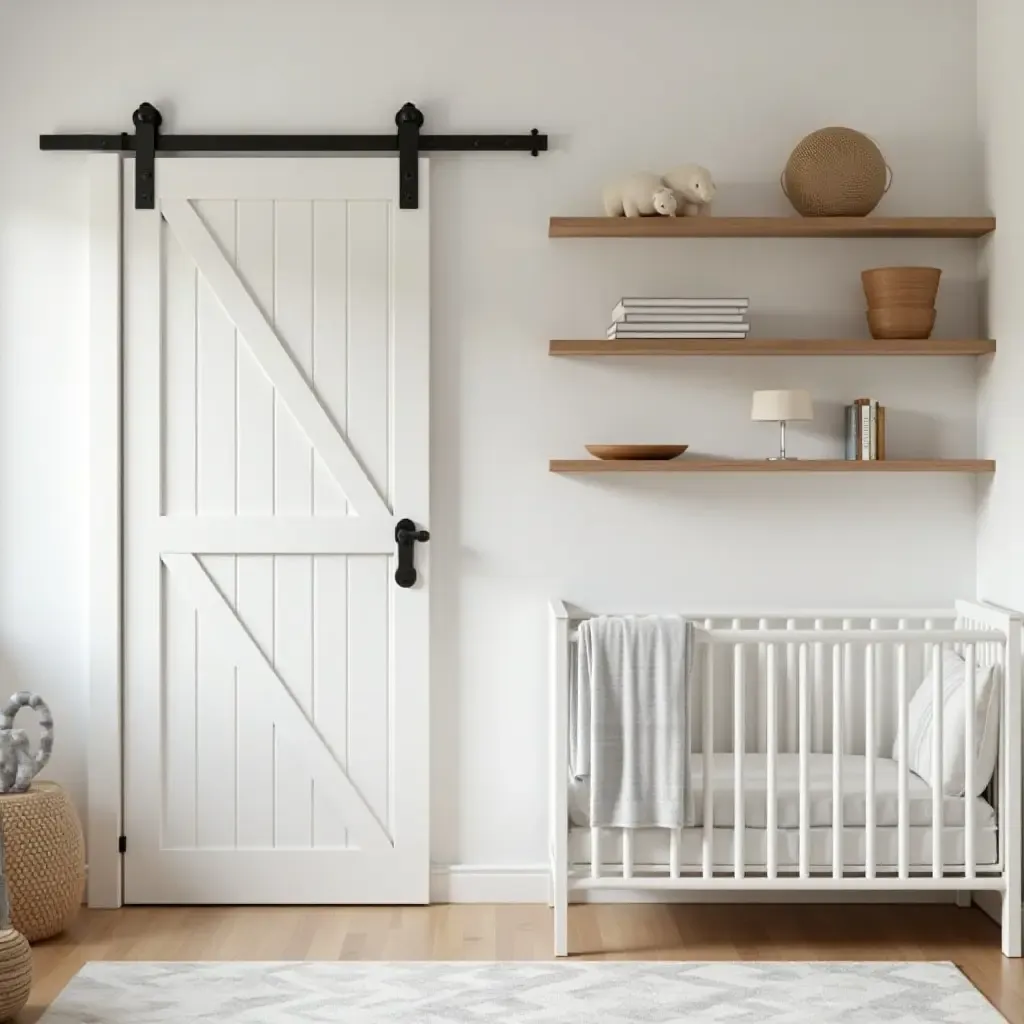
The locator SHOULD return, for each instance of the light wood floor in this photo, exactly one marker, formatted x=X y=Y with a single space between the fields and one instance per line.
x=764 y=932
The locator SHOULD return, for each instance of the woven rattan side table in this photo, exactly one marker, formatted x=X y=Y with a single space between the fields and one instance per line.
x=45 y=855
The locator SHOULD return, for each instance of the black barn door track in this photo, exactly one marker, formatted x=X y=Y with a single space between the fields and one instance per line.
x=146 y=143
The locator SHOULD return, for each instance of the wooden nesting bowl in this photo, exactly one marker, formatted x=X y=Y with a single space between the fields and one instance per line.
x=635 y=452
x=886 y=287
x=901 y=322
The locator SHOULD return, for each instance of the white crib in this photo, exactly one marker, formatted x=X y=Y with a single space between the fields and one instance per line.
x=794 y=720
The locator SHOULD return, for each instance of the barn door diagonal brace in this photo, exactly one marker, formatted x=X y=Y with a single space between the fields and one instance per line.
x=146 y=143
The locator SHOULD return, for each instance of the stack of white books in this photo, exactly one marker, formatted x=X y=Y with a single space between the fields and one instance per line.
x=680 y=318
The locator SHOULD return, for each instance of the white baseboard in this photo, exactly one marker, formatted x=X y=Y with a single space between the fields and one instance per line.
x=529 y=883
x=488 y=883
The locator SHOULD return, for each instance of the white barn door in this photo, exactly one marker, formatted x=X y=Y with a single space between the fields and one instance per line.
x=276 y=345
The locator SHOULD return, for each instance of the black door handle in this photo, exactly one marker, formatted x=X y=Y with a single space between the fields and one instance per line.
x=407 y=536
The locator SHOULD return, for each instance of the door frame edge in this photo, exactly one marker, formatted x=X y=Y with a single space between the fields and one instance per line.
x=104 y=762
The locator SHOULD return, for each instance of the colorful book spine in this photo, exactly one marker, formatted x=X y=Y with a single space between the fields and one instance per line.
x=864 y=423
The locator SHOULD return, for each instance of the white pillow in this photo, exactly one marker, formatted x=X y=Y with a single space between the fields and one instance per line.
x=920 y=726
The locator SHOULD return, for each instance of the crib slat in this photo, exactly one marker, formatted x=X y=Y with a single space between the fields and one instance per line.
x=873 y=660
x=818 y=717
x=970 y=658
x=708 y=746
x=837 y=761
x=869 y=758
x=762 y=701
x=937 y=701
x=803 y=697
x=595 y=852
x=739 y=745
x=790 y=696
x=904 y=771
x=849 y=740
x=673 y=853
x=627 y=853
x=772 y=743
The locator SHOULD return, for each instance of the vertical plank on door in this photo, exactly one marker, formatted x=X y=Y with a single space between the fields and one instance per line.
x=254 y=261
x=330 y=672
x=179 y=766
x=330 y=339
x=330 y=572
x=179 y=437
x=294 y=616
x=369 y=677
x=179 y=362
x=369 y=341
x=216 y=496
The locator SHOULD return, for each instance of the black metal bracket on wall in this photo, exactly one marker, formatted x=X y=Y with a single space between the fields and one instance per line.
x=147 y=144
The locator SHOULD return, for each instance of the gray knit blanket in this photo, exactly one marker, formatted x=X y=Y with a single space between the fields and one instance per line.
x=630 y=722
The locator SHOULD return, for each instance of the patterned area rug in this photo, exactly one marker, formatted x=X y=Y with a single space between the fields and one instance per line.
x=514 y=993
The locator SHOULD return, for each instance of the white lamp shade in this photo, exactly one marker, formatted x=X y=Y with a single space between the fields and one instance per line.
x=781 y=405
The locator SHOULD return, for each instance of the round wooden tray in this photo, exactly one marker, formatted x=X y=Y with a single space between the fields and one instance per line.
x=654 y=452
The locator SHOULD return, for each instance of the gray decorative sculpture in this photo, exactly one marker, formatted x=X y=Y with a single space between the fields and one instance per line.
x=18 y=765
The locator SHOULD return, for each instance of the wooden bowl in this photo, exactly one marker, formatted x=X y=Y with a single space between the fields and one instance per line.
x=886 y=287
x=656 y=452
x=901 y=322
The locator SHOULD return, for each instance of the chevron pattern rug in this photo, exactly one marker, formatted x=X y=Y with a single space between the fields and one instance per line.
x=574 y=992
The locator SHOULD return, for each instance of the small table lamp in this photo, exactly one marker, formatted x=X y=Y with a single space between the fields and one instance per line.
x=781 y=406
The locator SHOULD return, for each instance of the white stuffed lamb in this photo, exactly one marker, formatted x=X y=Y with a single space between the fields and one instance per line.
x=639 y=195
x=693 y=187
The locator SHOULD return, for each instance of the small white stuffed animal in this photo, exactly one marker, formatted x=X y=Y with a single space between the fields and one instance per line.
x=693 y=186
x=639 y=195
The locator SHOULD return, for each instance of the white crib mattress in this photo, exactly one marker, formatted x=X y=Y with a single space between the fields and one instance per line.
x=919 y=794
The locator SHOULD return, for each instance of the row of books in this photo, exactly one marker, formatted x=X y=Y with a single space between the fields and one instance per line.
x=676 y=317
x=865 y=430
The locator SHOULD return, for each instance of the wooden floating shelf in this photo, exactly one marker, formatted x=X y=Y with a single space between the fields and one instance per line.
x=771 y=347
x=770 y=227
x=691 y=465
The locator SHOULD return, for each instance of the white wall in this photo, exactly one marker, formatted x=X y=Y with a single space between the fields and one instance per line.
x=1001 y=265
x=1001 y=408
x=733 y=84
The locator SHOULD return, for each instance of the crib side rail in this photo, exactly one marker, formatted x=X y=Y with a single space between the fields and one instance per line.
x=862 y=636
x=807 y=648
x=809 y=659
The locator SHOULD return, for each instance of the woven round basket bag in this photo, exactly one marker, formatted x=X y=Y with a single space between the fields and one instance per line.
x=43 y=845
x=45 y=859
x=15 y=955
x=836 y=172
